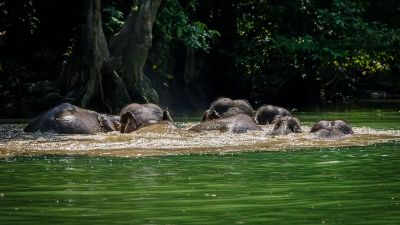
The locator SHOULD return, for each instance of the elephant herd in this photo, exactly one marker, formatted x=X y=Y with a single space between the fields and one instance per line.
x=224 y=115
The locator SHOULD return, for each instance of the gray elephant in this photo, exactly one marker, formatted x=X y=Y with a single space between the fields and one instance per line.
x=286 y=125
x=331 y=129
x=267 y=113
x=205 y=117
x=69 y=119
x=135 y=116
x=238 y=123
x=226 y=107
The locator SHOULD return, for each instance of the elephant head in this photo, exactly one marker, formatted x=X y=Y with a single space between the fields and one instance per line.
x=109 y=122
x=286 y=125
x=135 y=116
x=267 y=113
x=226 y=107
x=331 y=129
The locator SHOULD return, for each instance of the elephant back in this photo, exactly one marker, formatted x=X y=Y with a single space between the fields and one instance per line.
x=66 y=119
x=226 y=107
x=221 y=106
x=267 y=113
x=144 y=113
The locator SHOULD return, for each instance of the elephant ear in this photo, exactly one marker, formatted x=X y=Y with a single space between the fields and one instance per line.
x=296 y=126
x=166 y=116
x=102 y=120
x=205 y=115
x=276 y=119
x=255 y=116
x=128 y=122
x=213 y=115
x=278 y=124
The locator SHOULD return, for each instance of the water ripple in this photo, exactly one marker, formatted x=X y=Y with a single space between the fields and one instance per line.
x=150 y=141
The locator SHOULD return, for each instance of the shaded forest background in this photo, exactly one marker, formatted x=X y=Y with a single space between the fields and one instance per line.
x=185 y=53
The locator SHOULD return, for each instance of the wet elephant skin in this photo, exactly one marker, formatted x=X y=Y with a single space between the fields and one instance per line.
x=69 y=119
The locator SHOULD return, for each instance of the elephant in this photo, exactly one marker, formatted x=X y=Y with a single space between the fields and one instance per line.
x=205 y=115
x=286 y=125
x=267 y=113
x=238 y=123
x=135 y=116
x=331 y=129
x=69 y=119
x=226 y=107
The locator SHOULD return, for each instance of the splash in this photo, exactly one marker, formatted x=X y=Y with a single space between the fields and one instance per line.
x=167 y=141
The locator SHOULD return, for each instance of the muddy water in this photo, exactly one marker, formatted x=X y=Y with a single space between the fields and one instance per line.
x=163 y=140
x=295 y=179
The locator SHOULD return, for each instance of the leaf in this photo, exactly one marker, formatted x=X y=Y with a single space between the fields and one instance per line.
x=179 y=32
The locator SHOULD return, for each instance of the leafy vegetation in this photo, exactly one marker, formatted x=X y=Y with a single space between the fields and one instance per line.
x=330 y=42
x=297 y=52
x=113 y=19
x=173 y=24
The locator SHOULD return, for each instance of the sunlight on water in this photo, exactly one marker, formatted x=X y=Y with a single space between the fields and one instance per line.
x=166 y=141
x=249 y=178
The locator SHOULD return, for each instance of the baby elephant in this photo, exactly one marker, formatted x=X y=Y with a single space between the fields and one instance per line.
x=238 y=123
x=286 y=125
x=69 y=119
x=331 y=129
x=266 y=114
x=135 y=116
x=226 y=107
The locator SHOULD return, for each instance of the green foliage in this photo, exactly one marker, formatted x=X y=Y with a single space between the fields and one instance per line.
x=331 y=41
x=173 y=24
x=336 y=45
x=113 y=19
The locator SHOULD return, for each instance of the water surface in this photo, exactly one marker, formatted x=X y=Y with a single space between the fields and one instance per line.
x=356 y=185
x=177 y=177
x=369 y=127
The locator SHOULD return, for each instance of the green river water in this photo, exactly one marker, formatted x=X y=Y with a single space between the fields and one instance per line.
x=357 y=184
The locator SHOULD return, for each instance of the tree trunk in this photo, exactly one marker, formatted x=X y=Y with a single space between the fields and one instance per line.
x=89 y=77
x=189 y=71
x=129 y=49
x=193 y=66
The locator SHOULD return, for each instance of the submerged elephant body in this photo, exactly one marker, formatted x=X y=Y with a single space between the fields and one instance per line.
x=135 y=116
x=268 y=113
x=331 y=129
x=224 y=115
x=238 y=123
x=226 y=107
x=69 y=119
x=162 y=127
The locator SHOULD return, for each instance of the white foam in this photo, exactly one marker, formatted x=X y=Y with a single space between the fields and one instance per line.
x=13 y=141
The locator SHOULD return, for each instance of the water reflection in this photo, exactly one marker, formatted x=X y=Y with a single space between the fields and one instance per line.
x=147 y=142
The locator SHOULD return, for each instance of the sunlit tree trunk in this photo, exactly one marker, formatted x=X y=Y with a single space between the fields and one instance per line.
x=89 y=77
x=129 y=49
